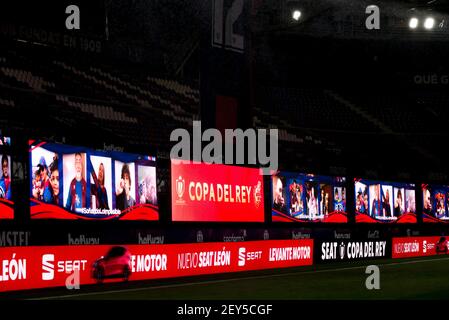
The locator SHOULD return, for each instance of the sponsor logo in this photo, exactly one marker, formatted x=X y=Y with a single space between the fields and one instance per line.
x=242 y=259
x=204 y=259
x=338 y=235
x=248 y=256
x=82 y=239
x=14 y=238
x=236 y=193
x=353 y=250
x=329 y=250
x=300 y=235
x=289 y=253
x=112 y=147
x=50 y=266
x=427 y=246
x=257 y=194
x=148 y=262
x=149 y=239
x=407 y=247
x=13 y=269
x=235 y=238
x=180 y=189
x=342 y=250
x=412 y=247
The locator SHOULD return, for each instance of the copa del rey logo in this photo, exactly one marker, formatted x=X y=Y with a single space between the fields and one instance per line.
x=216 y=192
x=180 y=188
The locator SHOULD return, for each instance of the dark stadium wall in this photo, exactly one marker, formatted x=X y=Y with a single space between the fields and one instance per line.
x=220 y=60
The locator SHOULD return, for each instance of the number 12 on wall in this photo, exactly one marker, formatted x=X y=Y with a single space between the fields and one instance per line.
x=223 y=22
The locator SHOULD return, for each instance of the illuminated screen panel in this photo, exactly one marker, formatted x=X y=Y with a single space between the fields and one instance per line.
x=308 y=198
x=68 y=182
x=50 y=266
x=388 y=202
x=216 y=193
x=409 y=247
x=435 y=203
x=6 y=201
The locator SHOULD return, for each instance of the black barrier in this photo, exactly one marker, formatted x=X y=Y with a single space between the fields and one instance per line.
x=330 y=244
x=346 y=244
x=345 y=250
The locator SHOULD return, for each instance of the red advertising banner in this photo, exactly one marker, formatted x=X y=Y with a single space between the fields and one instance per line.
x=408 y=247
x=216 y=193
x=6 y=209
x=24 y=268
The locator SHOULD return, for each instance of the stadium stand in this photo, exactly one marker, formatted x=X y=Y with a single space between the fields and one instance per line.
x=108 y=94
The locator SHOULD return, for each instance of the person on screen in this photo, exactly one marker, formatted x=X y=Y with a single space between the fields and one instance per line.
x=124 y=199
x=278 y=199
x=326 y=204
x=440 y=205
x=44 y=180
x=375 y=208
x=441 y=210
x=98 y=189
x=5 y=180
x=77 y=190
x=5 y=141
x=322 y=204
x=37 y=183
x=51 y=193
x=339 y=199
x=427 y=205
x=299 y=203
x=312 y=204
x=411 y=204
x=386 y=209
x=359 y=207
x=447 y=201
x=296 y=205
x=337 y=195
x=148 y=193
x=365 y=203
x=294 y=201
x=398 y=205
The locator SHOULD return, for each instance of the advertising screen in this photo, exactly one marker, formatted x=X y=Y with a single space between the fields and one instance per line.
x=6 y=201
x=435 y=203
x=408 y=247
x=308 y=198
x=68 y=182
x=216 y=193
x=23 y=268
x=378 y=201
x=341 y=250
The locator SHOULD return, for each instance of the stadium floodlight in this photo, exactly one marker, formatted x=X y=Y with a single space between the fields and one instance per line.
x=429 y=23
x=413 y=23
x=296 y=14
